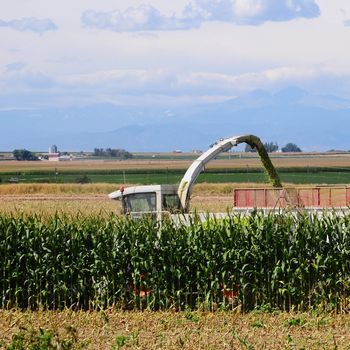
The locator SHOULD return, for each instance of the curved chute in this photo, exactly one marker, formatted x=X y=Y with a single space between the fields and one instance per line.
x=186 y=184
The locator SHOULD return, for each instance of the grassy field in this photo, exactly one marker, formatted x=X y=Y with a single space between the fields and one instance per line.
x=288 y=175
x=298 y=169
x=169 y=330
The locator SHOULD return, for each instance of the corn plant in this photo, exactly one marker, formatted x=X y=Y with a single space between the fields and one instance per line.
x=286 y=260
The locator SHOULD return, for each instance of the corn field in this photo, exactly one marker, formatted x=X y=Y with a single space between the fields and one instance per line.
x=284 y=261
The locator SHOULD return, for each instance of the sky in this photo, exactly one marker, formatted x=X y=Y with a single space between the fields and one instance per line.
x=75 y=53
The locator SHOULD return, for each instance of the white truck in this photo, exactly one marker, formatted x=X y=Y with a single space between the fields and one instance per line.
x=158 y=199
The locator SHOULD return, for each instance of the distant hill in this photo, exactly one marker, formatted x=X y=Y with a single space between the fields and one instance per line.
x=291 y=115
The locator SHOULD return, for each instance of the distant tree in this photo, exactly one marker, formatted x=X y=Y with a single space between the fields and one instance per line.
x=291 y=147
x=271 y=147
x=114 y=153
x=23 y=154
x=336 y=151
x=98 y=152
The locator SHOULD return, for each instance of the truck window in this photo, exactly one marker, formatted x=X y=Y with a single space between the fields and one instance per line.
x=141 y=202
x=171 y=202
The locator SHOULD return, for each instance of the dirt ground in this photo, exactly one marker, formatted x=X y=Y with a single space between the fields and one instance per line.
x=181 y=330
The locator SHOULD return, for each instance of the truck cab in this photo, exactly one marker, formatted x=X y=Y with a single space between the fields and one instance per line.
x=153 y=199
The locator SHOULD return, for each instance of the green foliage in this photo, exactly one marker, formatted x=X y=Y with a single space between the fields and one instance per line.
x=23 y=154
x=291 y=147
x=271 y=146
x=120 y=341
x=43 y=339
x=114 y=153
x=190 y=316
x=271 y=172
x=284 y=261
x=299 y=175
x=257 y=324
x=295 y=321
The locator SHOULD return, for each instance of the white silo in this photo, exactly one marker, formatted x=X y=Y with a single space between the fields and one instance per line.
x=53 y=149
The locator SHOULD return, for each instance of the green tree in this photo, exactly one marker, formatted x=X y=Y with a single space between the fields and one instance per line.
x=271 y=146
x=291 y=147
x=114 y=153
x=23 y=154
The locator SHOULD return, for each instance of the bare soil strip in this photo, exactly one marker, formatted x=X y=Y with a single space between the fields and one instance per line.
x=184 y=330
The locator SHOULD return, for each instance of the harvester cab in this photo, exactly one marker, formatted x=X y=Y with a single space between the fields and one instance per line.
x=153 y=200
x=158 y=199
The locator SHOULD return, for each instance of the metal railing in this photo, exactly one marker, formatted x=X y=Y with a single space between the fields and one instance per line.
x=322 y=197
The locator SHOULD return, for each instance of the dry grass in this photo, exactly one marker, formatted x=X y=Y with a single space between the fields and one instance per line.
x=89 y=199
x=93 y=205
x=57 y=189
x=48 y=199
x=48 y=206
x=104 y=188
x=186 y=330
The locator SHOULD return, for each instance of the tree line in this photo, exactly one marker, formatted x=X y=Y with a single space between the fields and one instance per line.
x=23 y=154
x=111 y=152
x=273 y=147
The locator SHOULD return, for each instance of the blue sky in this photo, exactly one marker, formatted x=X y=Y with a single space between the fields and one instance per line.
x=73 y=53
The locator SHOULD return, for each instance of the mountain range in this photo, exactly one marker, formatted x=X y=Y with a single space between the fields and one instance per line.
x=313 y=122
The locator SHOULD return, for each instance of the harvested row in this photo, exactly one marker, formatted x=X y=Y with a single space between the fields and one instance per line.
x=280 y=260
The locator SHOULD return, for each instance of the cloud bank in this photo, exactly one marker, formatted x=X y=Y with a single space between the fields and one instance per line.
x=241 y=12
x=157 y=81
x=32 y=24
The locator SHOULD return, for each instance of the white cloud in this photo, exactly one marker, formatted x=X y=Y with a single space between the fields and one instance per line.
x=256 y=12
x=16 y=79
x=137 y=86
x=247 y=8
x=219 y=59
x=253 y=12
x=167 y=82
x=144 y=17
x=32 y=24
